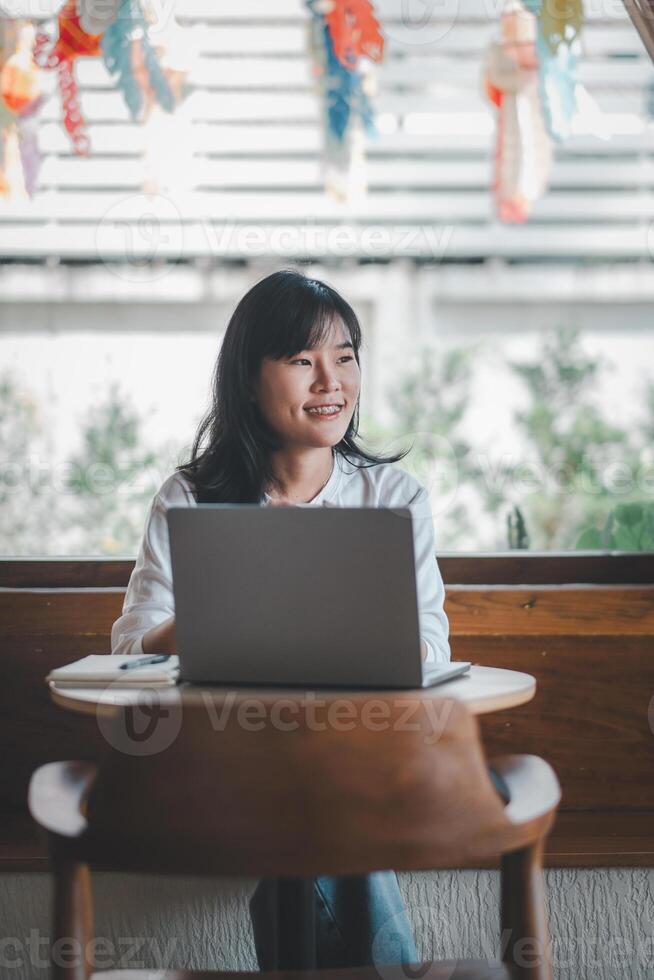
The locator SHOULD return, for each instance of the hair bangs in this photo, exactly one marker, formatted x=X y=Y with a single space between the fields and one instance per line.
x=308 y=323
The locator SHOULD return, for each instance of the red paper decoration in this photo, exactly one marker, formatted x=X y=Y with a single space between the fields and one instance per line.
x=355 y=31
x=73 y=42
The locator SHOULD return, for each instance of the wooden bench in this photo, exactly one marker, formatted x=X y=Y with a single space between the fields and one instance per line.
x=589 y=646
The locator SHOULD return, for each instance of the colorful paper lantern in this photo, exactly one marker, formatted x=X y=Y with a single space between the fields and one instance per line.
x=523 y=151
x=21 y=95
x=345 y=94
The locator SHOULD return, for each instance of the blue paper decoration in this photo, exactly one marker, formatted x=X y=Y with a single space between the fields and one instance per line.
x=116 y=45
x=557 y=76
x=344 y=90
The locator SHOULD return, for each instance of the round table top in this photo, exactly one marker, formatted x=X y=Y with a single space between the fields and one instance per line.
x=482 y=689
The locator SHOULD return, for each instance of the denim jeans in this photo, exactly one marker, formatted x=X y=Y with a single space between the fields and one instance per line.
x=359 y=920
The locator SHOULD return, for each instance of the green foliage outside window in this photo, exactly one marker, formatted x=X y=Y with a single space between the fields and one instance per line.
x=572 y=464
x=578 y=479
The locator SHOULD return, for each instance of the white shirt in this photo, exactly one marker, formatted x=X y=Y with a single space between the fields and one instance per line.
x=149 y=596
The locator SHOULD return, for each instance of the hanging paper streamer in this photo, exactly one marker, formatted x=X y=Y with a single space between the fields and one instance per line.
x=523 y=152
x=354 y=31
x=168 y=156
x=345 y=94
x=72 y=42
x=19 y=78
x=150 y=55
x=129 y=55
x=558 y=46
x=21 y=96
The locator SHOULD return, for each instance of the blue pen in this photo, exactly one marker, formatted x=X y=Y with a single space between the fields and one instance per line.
x=144 y=661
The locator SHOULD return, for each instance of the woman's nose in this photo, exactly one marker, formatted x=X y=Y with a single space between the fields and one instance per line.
x=327 y=380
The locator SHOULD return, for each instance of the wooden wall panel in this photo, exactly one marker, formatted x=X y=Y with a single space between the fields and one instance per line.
x=590 y=648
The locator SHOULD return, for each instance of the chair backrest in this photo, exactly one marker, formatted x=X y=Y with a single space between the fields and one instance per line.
x=292 y=785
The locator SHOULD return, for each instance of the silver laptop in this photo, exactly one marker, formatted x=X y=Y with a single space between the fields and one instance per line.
x=318 y=596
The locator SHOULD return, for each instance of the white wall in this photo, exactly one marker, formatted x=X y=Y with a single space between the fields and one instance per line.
x=601 y=921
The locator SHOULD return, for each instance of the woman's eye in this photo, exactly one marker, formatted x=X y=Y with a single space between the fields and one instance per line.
x=346 y=357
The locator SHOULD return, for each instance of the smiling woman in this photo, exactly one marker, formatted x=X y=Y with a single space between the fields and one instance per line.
x=282 y=429
x=291 y=346
x=291 y=350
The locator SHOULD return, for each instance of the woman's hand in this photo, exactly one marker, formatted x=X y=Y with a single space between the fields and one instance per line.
x=161 y=638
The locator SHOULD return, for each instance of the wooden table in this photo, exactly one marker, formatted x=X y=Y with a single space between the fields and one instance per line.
x=482 y=689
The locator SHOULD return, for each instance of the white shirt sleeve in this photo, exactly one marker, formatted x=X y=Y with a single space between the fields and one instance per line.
x=149 y=596
x=434 y=625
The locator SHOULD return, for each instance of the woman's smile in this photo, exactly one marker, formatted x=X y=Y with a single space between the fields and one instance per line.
x=325 y=413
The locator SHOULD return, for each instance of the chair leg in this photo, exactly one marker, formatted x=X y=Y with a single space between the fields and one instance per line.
x=73 y=921
x=296 y=924
x=525 y=937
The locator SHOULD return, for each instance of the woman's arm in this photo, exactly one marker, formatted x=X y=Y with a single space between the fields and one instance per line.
x=434 y=625
x=148 y=607
x=160 y=639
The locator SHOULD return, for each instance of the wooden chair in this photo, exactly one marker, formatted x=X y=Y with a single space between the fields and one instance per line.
x=402 y=784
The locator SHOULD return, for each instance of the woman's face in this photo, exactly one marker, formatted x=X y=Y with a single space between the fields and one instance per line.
x=328 y=375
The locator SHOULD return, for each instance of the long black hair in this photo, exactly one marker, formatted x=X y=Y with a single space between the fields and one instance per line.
x=281 y=315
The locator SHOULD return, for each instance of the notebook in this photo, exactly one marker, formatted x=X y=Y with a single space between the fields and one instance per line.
x=99 y=670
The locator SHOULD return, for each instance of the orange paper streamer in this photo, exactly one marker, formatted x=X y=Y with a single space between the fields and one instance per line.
x=354 y=31
x=19 y=83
